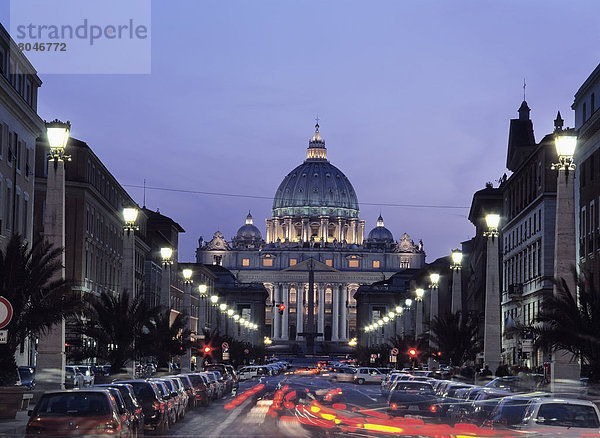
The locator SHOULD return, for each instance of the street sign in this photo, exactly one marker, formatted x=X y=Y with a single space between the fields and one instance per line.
x=6 y=312
x=393 y=359
x=3 y=336
x=226 y=355
x=394 y=351
x=225 y=346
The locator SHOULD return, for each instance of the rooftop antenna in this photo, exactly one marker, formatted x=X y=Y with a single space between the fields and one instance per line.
x=144 y=192
x=524 y=85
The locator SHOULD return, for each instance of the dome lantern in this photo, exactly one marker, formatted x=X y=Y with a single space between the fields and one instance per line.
x=316 y=147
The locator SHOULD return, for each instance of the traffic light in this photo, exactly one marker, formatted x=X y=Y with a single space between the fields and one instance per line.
x=412 y=352
x=207 y=349
x=281 y=308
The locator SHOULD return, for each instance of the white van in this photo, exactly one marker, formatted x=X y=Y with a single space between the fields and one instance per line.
x=251 y=371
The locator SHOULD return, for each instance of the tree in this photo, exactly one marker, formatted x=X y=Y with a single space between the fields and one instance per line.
x=166 y=339
x=116 y=323
x=456 y=337
x=571 y=324
x=28 y=279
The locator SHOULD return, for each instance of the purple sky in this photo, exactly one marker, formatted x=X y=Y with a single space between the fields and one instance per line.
x=414 y=100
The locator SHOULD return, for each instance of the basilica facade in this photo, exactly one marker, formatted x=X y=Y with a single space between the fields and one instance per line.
x=315 y=227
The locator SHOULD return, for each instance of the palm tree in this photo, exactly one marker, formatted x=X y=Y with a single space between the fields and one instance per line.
x=571 y=324
x=456 y=337
x=165 y=339
x=116 y=323
x=28 y=279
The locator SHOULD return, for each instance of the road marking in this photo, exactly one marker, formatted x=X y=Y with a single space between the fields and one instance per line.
x=258 y=413
x=230 y=419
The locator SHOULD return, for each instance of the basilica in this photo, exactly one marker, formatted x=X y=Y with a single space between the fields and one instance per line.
x=315 y=227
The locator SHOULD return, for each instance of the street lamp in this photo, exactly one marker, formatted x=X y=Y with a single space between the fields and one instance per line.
x=223 y=307
x=456 y=266
x=130 y=215
x=51 y=347
x=492 y=343
x=214 y=299
x=202 y=290
x=230 y=312
x=566 y=367
x=399 y=310
x=236 y=318
x=433 y=312
x=166 y=253
x=420 y=292
x=187 y=275
x=58 y=136
x=408 y=302
x=435 y=279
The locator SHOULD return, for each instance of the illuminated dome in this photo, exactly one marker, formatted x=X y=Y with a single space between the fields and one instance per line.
x=380 y=233
x=316 y=187
x=247 y=234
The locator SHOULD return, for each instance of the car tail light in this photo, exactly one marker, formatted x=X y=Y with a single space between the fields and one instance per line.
x=112 y=427
x=433 y=408
x=156 y=405
x=394 y=406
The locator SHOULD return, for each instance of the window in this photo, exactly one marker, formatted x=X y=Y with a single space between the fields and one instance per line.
x=353 y=263
x=328 y=296
x=584 y=110
x=267 y=262
x=329 y=262
x=245 y=262
x=376 y=264
x=19 y=149
x=293 y=296
x=293 y=262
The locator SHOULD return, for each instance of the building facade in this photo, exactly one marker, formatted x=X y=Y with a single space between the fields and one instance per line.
x=315 y=226
x=527 y=237
x=20 y=126
x=587 y=177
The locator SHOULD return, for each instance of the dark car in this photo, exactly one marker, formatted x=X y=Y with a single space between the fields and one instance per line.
x=153 y=405
x=132 y=405
x=27 y=375
x=410 y=397
x=169 y=399
x=189 y=389
x=201 y=395
x=77 y=413
x=229 y=379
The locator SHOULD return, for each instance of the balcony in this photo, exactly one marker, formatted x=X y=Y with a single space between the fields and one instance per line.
x=515 y=291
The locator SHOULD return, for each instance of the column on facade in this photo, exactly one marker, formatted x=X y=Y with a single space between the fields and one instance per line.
x=288 y=228
x=343 y=330
x=276 y=316
x=321 y=310
x=335 y=314
x=340 y=232
x=276 y=234
x=269 y=237
x=361 y=232
x=299 y=309
x=285 y=326
x=305 y=229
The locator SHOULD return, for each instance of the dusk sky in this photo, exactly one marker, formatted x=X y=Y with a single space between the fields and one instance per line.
x=414 y=100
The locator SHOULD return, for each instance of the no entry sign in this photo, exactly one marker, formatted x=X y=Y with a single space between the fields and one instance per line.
x=6 y=312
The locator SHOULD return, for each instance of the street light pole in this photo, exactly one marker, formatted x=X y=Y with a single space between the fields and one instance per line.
x=419 y=318
x=186 y=358
x=565 y=371
x=492 y=342
x=456 y=281
x=51 y=360
x=130 y=215
x=165 y=293
x=433 y=313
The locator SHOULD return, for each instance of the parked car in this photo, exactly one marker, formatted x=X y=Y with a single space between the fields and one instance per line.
x=133 y=406
x=554 y=416
x=73 y=378
x=169 y=400
x=417 y=398
x=27 y=375
x=368 y=375
x=154 y=406
x=178 y=396
x=215 y=378
x=122 y=410
x=342 y=374
x=510 y=410
x=188 y=387
x=77 y=413
x=248 y=372
x=228 y=379
x=200 y=388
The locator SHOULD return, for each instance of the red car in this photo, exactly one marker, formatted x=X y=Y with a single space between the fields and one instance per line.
x=77 y=413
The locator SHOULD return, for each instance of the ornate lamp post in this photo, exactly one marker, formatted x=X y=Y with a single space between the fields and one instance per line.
x=165 y=296
x=50 y=359
x=419 y=318
x=408 y=317
x=433 y=313
x=565 y=372
x=492 y=342
x=186 y=359
x=457 y=257
x=130 y=215
x=202 y=317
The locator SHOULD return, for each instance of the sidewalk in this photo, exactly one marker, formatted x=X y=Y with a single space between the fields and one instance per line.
x=16 y=427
